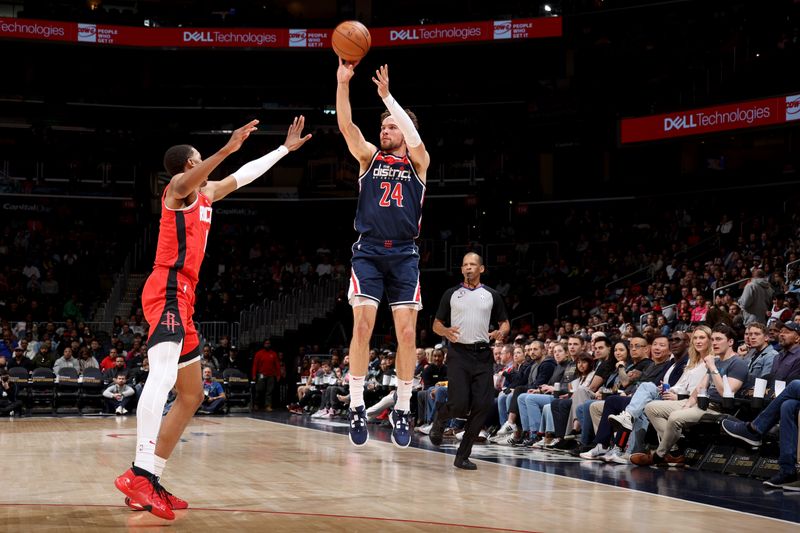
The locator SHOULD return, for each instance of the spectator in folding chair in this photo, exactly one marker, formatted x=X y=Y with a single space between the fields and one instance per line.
x=85 y=360
x=232 y=359
x=109 y=361
x=307 y=383
x=785 y=409
x=207 y=359
x=322 y=380
x=66 y=361
x=118 y=395
x=432 y=374
x=19 y=359
x=44 y=357
x=671 y=417
x=223 y=350
x=118 y=368
x=213 y=395
x=9 y=405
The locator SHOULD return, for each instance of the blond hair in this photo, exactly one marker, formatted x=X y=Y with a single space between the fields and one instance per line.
x=695 y=357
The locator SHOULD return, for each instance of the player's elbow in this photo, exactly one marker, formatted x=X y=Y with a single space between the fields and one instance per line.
x=346 y=127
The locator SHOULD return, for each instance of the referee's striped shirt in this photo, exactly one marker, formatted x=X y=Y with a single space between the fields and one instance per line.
x=472 y=311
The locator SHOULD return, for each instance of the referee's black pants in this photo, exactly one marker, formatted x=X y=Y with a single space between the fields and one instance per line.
x=470 y=391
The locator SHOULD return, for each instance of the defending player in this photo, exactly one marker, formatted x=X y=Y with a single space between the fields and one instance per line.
x=391 y=188
x=168 y=302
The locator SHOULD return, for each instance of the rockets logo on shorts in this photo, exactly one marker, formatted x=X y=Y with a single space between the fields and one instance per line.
x=170 y=322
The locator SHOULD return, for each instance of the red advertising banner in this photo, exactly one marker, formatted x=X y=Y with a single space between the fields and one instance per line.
x=750 y=114
x=468 y=31
x=44 y=30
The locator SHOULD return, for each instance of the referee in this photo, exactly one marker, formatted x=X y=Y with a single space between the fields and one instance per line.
x=464 y=315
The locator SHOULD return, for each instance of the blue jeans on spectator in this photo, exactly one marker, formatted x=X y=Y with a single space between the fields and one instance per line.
x=783 y=408
x=503 y=405
x=439 y=396
x=547 y=425
x=214 y=406
x=530 y=410
x=645 y=393
x=113 y=404
x=587 y=429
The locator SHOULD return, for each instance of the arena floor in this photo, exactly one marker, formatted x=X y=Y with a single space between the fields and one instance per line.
x=286 y=473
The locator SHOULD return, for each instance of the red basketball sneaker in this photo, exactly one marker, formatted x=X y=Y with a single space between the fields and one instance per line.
x=174 y=502
x=143 y=488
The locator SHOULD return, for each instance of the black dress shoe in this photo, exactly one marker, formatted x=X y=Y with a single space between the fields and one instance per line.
x=465 y=464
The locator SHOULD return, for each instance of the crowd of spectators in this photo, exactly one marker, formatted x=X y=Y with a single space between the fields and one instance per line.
x=118 y=360
x=595 y=396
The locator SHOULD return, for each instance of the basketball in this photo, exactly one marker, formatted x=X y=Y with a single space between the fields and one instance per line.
x=351 y=40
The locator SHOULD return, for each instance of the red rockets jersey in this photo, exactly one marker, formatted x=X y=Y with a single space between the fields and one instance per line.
x=182 y=237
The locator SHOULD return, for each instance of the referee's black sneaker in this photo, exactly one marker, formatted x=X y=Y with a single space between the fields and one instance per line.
x=464 y=463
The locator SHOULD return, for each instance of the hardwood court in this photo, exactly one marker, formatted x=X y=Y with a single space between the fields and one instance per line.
x=244 y=474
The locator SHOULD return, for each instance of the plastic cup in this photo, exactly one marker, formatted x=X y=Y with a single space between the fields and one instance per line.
x=702 y=402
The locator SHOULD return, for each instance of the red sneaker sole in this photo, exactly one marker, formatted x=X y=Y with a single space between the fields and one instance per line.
x=135 y=506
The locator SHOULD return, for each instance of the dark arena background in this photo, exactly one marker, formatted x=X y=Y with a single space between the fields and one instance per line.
x=625 y=168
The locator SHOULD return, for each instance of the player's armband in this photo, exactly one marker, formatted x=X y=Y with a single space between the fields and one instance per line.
x=257 y=167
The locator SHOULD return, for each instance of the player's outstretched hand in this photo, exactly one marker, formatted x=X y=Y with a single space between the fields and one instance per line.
x=240 y=135
x=346 y=71
x=381 y=79
x=293 y=136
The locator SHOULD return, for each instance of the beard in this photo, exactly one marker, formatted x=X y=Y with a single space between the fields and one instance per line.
x=387 y=145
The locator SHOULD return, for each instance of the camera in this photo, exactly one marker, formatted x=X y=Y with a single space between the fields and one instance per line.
x=4 y=378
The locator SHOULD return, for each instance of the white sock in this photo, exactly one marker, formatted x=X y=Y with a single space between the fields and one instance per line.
x=145 y=455
x=163 y=358
x=404 y=395
x=160 y=463
x=356 y=391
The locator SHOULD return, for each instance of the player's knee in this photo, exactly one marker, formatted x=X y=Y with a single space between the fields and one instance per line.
x=362 y=331
x=406 y=335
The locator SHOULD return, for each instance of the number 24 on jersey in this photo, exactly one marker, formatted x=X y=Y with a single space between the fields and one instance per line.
x=391 y=193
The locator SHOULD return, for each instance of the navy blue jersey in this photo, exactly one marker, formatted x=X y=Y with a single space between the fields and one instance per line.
x=390 y=196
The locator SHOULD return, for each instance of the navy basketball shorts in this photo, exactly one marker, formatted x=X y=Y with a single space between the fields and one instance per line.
x=390 y=267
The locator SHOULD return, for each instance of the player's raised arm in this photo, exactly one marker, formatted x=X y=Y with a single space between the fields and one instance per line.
x=416 y=148
x=217 y=190
x=184 y=184
x=359 y=147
